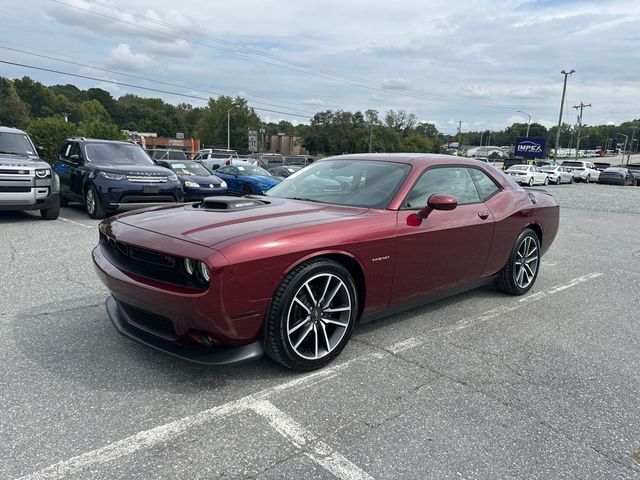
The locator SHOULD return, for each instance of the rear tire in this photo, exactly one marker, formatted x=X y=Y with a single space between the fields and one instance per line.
x=521 y=270
x=92 y=203
x=531 y=182
x=247 y=190
x=588 y=179
x=312 y=315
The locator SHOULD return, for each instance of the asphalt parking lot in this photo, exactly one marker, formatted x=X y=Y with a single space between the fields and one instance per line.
x=479 y=386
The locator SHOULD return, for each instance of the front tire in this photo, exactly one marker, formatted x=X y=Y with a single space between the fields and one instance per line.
x=521 y=270
x=312 y=315
x=51 y=213
x=588 y=179
x=546 y=181
x=92 y=203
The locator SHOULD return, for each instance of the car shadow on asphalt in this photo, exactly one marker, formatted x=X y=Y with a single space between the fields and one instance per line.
x=79 y=344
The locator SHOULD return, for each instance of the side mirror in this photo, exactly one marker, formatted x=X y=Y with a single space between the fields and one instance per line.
x=40 y=151
x=437 y=201
x=75 y=159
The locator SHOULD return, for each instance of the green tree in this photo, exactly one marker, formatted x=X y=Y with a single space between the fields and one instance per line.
x=13 y=111
x=49 y=133
x=100 y=128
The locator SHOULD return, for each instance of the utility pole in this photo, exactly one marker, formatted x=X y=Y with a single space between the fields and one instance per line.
x=633 y=136
x=564 y=89
x=581 y=107
x=459 y=137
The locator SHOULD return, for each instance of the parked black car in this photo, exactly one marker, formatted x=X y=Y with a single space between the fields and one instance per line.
x=109 y=175
x=616 y=176
x=197 y=182
x=26 y=181
x=284 y=171
x=634 y=169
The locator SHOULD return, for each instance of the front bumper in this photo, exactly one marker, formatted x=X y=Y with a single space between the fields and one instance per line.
x=213 y=356
x=38 y=199
x=120 y=194
x=192 y=194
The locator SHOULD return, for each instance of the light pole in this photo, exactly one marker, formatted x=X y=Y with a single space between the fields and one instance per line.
x=229 y=127
x=564 y=89
x=528 y=123
x=624 y=149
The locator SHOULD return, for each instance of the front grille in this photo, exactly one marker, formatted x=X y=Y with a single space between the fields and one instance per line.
x=15 y=189
x=145 y=179
x=149 y=198
x=7 y=171
x=150 y=264
x=150 y=322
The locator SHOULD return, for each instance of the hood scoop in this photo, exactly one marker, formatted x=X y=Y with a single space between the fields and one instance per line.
x=229 y=204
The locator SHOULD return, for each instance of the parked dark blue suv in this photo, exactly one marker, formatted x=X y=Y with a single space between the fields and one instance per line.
x=109 y=175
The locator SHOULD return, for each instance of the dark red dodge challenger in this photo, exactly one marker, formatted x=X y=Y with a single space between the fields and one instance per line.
x=347 y=238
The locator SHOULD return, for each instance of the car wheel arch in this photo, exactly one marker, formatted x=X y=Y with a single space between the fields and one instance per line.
x=537 y=229
x=347 y=260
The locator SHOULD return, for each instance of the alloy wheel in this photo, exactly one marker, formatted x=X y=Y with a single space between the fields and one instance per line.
x=526 y=263
x=91 y=202
x=319 y=316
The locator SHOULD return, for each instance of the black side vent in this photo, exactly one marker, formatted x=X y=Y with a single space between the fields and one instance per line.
x=230 y=203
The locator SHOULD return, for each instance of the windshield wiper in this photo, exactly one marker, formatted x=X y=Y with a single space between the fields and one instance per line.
x=306 y=199
x=14 y=153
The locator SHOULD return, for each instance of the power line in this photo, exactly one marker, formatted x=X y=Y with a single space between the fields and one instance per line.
x=140 y=77
x=290 y=64
x=114 y=82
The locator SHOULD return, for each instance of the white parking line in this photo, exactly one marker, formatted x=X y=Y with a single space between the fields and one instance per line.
x=169 y=431
x=404 y=345
x=76 y=223
x=315 y=449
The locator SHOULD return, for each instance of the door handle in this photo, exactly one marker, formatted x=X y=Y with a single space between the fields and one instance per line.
x=483 y=214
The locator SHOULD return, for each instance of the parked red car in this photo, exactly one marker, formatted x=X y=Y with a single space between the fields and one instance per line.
x=346 y=239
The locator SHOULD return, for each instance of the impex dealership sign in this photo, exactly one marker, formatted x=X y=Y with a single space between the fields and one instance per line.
x=529 y=147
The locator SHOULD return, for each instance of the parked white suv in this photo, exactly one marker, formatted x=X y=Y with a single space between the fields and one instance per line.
x=582 y=171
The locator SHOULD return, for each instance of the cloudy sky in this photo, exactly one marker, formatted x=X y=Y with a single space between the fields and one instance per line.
x=475 y=61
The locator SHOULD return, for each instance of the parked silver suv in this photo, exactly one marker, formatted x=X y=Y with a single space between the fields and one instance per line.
x=26 y=181
x=582 y=171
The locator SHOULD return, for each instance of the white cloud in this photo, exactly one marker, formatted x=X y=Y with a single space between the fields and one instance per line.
x=396 y=83
x=123 y=58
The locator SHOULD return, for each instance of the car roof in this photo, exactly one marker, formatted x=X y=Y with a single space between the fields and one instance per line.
x=10 y=130
x=417 y=159
x=100 y=140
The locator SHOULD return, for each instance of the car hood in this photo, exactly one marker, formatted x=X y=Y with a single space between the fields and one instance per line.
x=201 y=179
x=261 y=179
x=211 y=227
x=19 y=160
x=135 y=169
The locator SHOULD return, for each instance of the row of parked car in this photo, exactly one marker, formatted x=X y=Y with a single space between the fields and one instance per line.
x=575 y=171
x=106 y=176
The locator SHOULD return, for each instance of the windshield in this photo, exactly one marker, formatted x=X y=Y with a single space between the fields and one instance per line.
x=16 y=144
x=357 y=183
x=189 y=168
x=252 y=170
x=572 y=164
x=117 y=154
x=169 y=155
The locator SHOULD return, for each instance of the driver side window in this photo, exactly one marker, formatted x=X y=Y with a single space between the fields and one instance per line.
x=454 y=181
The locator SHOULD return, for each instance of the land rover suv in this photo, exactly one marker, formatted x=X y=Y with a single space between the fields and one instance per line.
x=109 y=175
x=26 y=181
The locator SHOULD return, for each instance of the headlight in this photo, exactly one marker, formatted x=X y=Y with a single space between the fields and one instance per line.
x=43 y=173
x=188 y=266
x=172 y=177
x=223 y=184
x=112 y=176
x=191 y=184
x=204 y=271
